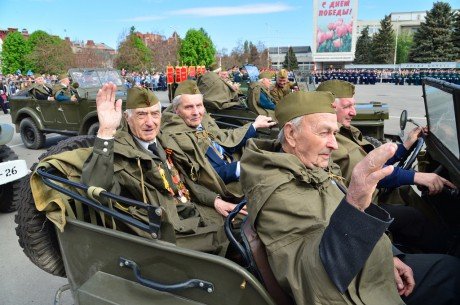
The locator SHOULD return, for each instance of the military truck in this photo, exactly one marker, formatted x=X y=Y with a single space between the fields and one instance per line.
x=11 y=171
x=106 y=266
x=35 y=118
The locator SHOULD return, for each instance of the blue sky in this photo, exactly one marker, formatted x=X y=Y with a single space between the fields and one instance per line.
x=273 y=23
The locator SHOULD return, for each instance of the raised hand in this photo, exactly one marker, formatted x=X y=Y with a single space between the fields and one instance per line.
x=108 y=110
x=263 y=121
x=367 y=173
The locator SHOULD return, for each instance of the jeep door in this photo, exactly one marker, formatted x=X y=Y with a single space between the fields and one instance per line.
x=48 y=113
x=68 y=115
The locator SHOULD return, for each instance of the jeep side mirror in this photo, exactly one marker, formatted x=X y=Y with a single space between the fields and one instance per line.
x=403 y=120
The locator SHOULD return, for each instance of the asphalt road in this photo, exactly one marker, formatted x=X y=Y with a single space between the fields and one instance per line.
x=22 y=283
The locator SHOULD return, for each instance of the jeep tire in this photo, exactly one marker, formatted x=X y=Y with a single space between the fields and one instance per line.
x=31 y=136
x=92 y=130
x=9 y=192
x=37 y=235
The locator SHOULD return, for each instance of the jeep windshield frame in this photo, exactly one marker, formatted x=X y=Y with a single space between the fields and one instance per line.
x=95 y=78
x=442 y=108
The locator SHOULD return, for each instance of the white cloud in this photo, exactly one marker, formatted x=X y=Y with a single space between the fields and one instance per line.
x=251 y=9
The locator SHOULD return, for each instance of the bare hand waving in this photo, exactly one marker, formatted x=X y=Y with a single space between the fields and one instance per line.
x=108 y=110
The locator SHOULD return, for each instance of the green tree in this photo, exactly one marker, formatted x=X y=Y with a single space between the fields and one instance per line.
x=290 y=60
x=405 y=41
x=14 y=51
x=383 y=43
x=48 y=54
x=363 y=45
x=197 y=48
x=456 y=35
x=133 y=54
x=433 y=40
x=51 y=56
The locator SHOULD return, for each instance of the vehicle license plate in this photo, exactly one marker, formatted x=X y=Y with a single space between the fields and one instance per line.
x=12 y=170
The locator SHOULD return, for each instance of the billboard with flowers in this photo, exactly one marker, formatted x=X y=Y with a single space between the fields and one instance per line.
x=334 y=36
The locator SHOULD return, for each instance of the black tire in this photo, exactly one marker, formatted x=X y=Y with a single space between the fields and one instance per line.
x=37 y=236
x=32 y=137
x=376 y=143
x=10 y=192
x=92 y=130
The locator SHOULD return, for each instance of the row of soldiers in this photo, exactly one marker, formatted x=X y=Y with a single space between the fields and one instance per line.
x=371 y=77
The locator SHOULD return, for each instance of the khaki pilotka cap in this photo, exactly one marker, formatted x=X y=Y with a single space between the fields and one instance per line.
x=301 y=103
x=140 y=98
x=63 y=75
x=340 y=88
x=283 y=73
x=187 y=87
x=265 y=74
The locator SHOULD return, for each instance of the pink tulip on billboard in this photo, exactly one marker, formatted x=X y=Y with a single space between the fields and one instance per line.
x=331 y=26
x=329 y=35
x=339 y=22
x=337 y=43
x=350 y=28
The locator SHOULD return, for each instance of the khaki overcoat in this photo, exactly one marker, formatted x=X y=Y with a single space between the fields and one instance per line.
x=291 y=206
x=189 y=149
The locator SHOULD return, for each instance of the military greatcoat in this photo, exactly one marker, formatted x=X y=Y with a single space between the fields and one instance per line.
x=123 y=167
x=321 y=249
x=190 y=146
x=278 y=93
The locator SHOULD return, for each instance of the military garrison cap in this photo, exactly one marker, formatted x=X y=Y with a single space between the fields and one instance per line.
x=140 y=98
x=265 y=74
x=187 y=87
x=63 y=75
x=340 y=88
x=300 y=103
x=283 y=73
x=214 y=67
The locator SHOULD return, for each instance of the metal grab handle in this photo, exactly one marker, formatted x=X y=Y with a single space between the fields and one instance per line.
x=193 y=283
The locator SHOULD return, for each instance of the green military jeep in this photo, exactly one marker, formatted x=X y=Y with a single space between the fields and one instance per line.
x=106 y=266
x=36 y=118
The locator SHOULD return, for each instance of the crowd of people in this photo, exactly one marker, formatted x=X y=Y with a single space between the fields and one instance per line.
x=399 y=77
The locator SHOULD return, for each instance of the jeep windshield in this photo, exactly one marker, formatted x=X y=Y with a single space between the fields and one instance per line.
x=440 y=110
x=95 y=78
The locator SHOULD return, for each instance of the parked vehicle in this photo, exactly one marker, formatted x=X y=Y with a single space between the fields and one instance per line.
x=12 y=171
x=35 y=118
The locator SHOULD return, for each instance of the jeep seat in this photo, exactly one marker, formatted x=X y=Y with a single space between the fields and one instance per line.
x=258 y=258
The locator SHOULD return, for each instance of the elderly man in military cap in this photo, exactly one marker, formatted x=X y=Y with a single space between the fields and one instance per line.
x=62 y=90
x=259 y=99
x=208 y=154
x=131 y=161
x=324 y=246
x=282 y=87
x=352 y=148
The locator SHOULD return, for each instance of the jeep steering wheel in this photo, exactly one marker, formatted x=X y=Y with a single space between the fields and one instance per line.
x=409 y=159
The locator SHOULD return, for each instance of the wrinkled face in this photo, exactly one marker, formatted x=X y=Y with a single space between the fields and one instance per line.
x=314 y=140
x=40 y=80
x=191 y=109
x=144 y=123
x=266 y=82
x=281 y=81
x=345 y=110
